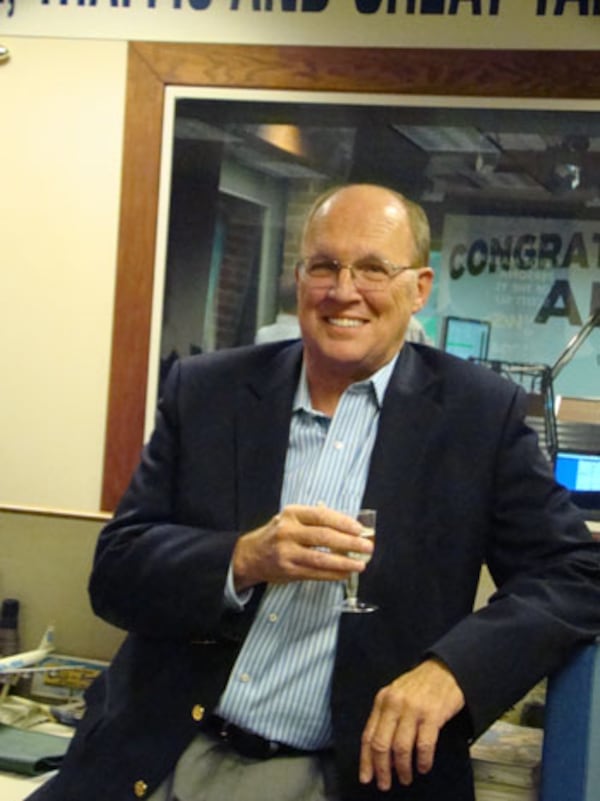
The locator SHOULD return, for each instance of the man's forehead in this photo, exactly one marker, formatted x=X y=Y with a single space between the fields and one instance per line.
x=362 y=200
x=367 y=216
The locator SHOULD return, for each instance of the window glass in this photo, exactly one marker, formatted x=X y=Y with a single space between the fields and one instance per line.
x=513 y=198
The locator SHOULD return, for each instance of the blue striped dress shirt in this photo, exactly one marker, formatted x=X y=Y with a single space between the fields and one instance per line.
x=280 y=684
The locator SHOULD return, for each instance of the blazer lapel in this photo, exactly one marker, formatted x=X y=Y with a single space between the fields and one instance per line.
x=410 y=414
x=263 y=417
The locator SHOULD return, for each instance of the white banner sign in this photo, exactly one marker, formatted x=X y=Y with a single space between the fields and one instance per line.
x=535 y=280
x=526 y=24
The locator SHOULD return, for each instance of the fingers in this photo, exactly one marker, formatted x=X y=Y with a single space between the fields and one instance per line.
x=319 y=527
x=402 y=731
x=389 y=741
x=299 y=543
x=426 y=742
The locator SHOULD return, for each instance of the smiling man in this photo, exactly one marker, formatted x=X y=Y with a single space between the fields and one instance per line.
x=240 y=677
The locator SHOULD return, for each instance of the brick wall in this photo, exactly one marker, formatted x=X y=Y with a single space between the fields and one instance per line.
x=239 y=272
x=238 y=277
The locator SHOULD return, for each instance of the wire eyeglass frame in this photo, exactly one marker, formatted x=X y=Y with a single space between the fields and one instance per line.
x=367 y=273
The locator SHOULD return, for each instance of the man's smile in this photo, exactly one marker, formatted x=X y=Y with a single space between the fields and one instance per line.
x=345 y=322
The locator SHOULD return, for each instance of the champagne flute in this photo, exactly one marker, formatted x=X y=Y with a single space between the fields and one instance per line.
x=351 y=603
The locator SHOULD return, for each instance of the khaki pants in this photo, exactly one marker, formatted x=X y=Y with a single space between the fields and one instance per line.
x=211 y=771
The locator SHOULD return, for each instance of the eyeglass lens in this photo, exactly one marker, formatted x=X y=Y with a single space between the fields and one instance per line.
x=324 y=272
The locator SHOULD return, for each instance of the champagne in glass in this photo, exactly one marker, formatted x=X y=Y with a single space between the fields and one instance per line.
x=352 y=603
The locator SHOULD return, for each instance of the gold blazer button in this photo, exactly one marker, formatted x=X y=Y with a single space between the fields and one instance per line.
x=197 y=712
x=140 y=788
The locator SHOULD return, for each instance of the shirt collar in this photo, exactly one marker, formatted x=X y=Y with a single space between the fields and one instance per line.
x=378 y=383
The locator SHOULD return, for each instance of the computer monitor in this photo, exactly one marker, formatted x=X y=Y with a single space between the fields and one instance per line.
x=465 y=337
x=579 y=472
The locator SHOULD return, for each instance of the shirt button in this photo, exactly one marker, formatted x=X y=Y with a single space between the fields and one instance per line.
x=273 y=617
x=245 y=677
x=140 y=788
x=338 y=445
x=197 y=712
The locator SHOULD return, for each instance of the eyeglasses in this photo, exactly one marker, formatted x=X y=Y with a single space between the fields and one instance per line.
x=368 y=273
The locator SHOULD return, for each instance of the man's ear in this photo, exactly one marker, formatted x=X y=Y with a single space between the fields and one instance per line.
x=425 y=277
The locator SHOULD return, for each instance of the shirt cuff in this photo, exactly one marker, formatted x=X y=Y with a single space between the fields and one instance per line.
x=233 y=600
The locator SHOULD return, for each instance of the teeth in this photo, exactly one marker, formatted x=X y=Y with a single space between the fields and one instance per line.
x=345 y=322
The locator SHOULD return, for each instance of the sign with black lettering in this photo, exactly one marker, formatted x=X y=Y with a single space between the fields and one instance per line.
x=539 y=24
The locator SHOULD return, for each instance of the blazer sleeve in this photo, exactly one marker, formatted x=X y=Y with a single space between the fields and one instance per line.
x=547 y=570
x=157 y=571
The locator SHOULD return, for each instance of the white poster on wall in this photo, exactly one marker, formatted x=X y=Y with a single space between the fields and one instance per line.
x=535 y=280
x=511 y=24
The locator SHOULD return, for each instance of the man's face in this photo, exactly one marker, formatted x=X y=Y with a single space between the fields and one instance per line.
x=354 y=332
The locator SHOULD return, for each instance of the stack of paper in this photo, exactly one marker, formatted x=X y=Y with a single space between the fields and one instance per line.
x=506 y=763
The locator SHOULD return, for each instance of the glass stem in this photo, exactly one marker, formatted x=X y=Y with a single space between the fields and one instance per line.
x=352 y=589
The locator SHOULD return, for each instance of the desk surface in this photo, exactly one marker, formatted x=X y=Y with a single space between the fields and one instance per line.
x=594 y=527
x=14 y=787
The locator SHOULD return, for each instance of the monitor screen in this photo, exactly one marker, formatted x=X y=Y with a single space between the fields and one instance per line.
x=466 y=338
x=580 y=473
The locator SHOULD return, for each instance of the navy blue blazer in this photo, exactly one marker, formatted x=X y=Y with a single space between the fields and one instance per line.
x=457 y=479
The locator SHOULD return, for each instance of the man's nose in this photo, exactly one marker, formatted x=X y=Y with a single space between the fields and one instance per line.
x=344 y=285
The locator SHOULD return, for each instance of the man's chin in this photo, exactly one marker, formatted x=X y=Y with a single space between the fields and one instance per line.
x=349 y=361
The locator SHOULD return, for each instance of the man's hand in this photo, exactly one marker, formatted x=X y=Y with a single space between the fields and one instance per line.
x=300 y=543
x=405 y=722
